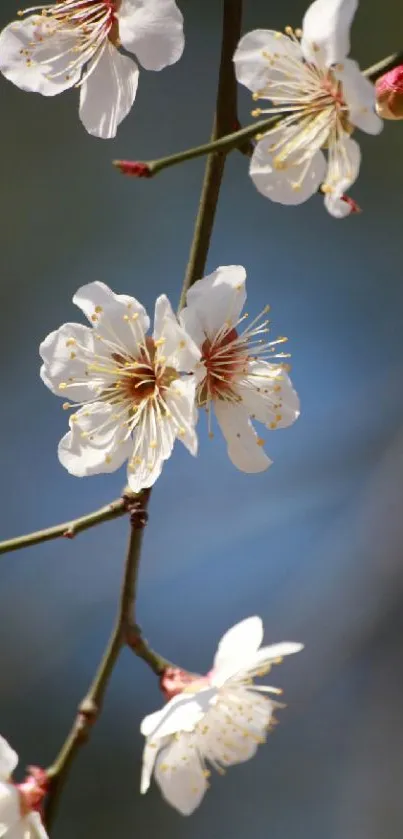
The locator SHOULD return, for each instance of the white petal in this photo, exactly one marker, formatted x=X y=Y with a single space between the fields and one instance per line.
x=280 y=185
x=214 y=301
x=239 y=644
x=66 y=353
x=359 y=94
x=243 y=443
x=180 y=776
x=181 y=402
x=34 y=827
x=8 y=759
x=326 y=30
x=182 y=713
x=154 y=437
x=108 y=93
x=153 y=31
x=254 y=57
x=96 y=441
x=275 y=651
x=178 y=347
x=269 y=396
x=343 y=169
x=10 y=810
x=150 y=752
x=37 y=72
x=120 y=319
x=173 y=415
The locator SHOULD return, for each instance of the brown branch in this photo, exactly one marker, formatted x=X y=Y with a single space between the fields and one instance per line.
x=224 y=122
x=90 y=707
x=126 y=631
x=68 y=529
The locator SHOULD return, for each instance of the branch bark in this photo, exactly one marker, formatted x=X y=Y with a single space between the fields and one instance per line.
x=224 y=122
x=91 y=705
x=126 y=630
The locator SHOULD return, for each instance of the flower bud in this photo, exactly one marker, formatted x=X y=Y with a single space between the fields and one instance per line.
x=389 y=94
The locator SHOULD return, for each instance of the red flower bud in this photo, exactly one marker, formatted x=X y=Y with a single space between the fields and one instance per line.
x=134 y=168
x=389 y=94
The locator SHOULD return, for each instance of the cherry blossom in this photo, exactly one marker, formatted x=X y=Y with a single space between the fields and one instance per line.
x=321 y=96
x=234 y=376
x=127 y=389
x=216 y=720
x=75 y=43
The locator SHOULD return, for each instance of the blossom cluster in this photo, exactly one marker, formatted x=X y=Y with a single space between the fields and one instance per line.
x=133 y=394
x=130 y=391
x=318 y=96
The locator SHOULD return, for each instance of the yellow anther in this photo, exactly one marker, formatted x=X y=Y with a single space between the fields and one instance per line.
x=162 y=359
x=159 y=342
x=98 y=309
x=94 y=318
x=182 y=345
x=255 y=96
x=181 y=431
x=135 y=316
x=62 y=385
x=108 y=458
x=289 y=30
x=279 y=417
x=277 y=388
x=153 y=444
x=73 y=355
x=66 y=406
x=260 y=441
x=256 y=112
x=126 y=317
x=71 y=342
x=272 y=425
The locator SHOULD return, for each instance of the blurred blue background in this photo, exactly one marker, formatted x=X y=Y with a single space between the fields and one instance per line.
x=314 y=545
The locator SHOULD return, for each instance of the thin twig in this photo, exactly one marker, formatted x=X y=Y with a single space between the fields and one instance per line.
x=68 y=529
x=225 y=119
x=239 y=140
x=90 y=707
x=126 y=630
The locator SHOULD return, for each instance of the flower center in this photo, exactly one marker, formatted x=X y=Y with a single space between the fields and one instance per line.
x=140 y=379
x=225 y=358
x=308 y=99
x=83 y=26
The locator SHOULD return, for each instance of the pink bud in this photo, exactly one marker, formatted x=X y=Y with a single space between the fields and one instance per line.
x=173 y=681
x=133 y=168
x=33 y=789
x=389 y=94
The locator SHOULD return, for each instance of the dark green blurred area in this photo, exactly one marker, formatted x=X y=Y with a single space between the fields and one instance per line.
x=314 y=545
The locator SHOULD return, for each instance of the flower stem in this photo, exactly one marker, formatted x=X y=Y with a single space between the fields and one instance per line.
x=68 y=529
x=90 y=707
x=225 y=120
x=126 y=631
x=223 y=144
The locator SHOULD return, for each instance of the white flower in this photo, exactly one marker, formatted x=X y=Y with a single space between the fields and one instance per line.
x=219 y=719
x=232 y=376
x=75 y=43
x=306 y=76
x=17 y=819
x=132 y=400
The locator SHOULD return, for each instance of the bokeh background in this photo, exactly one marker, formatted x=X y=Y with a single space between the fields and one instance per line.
x=314 y=545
